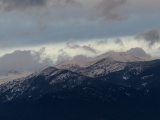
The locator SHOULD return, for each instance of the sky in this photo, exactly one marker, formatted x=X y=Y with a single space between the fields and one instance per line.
x=46 y=32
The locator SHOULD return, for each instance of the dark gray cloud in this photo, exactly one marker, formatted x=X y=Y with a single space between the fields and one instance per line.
x=102 y=42
x=70 y=2
x=23 y=60
x=151 y=37
x=21 y=4
x=64 y=23
x=105 y=42
x=111 y=9
x=108 y=9
x=9 y=5
x=119 y=42
x=64 y=56
x=87 y=48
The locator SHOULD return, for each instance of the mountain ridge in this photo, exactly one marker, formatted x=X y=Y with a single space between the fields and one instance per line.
x=107 y=89
x=128 y=56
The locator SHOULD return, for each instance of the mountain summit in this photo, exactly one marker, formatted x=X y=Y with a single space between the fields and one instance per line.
x=105 y=63
x=132 y=55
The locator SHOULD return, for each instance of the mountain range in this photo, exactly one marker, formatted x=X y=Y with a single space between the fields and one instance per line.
x=112 y=86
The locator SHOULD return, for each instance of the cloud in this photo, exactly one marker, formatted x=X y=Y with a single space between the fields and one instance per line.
x=21 y=4
x=79 y=57
x=73 y=45
x=119 y=41
x=70 y=1
x=111 y=9
x=102 y=42
x=151 y=37
x=87 y=48
x=61 y=23
x=23 y=60
x=105 y=42
x=107 y=9
x=139 y=52
x=9 y=5
x=62 y=56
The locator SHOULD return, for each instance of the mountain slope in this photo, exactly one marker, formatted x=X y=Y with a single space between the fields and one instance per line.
x=124 y=90
x=136 y=75
x=40 y=83
x=61 y=95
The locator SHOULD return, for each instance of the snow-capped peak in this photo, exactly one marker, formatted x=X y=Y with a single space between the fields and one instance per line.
x=139 y=52
x=128 y=56
x=122 y=57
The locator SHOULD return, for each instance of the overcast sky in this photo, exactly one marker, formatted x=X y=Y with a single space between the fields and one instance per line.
x=92 y=27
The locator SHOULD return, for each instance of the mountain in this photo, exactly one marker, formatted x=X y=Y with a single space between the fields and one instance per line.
x=132 y=55
x=105 y=63
x=39 y=83
x=139 y=52
x=134 y=75
x=104 y=89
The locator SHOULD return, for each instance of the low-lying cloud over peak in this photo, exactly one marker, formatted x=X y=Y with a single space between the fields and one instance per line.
x=32 y=60
x=119 y=42
x=139 y=52
x=23 y=61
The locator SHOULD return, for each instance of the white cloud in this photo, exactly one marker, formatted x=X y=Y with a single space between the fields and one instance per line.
x=52 y=54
